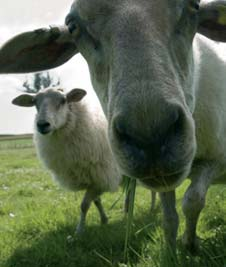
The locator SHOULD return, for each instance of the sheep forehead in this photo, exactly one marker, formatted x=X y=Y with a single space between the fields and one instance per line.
x=91 y=7
x=111 y=15
x=52 y=96
x=94 y=5
x=52 y=89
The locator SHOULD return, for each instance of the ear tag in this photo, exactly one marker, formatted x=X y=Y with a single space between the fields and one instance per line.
x=221 y=15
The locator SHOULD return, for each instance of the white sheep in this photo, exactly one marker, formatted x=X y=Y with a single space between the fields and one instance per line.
x=71 y=140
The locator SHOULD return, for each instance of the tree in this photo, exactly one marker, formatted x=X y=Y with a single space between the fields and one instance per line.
x=40 y=80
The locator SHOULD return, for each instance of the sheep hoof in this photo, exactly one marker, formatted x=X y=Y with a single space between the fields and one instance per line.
x=191 y=244
x=80 y=229
x=104 y=220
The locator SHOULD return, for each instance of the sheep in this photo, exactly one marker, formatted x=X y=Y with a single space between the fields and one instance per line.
x=161 y=83
x=71 y=141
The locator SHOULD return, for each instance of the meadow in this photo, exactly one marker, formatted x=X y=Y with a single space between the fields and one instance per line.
x=37 y=222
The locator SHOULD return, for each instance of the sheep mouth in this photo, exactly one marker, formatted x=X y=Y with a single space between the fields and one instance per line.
x=159 y=180
x=44 y=131
x=167 y=182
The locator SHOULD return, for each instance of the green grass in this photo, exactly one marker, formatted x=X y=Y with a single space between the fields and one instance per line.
x=37 y=223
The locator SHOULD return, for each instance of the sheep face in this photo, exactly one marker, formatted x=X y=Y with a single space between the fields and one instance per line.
x=52 y=110
x=53 y=107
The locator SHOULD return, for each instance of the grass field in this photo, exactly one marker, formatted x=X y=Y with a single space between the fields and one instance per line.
x=37 y=222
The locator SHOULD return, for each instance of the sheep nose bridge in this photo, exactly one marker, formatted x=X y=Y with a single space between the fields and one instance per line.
x=42 y=115
x=44 y=111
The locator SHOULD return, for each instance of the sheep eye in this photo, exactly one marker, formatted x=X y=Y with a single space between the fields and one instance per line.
x=63 y=101
x=37 y=107
x=73 y=25
x=194 y=6
x=35 y=101
x=75 y=30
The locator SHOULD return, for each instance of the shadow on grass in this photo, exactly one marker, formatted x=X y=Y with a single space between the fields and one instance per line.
x=212 y=252
x=98 y=246
x=103 y=246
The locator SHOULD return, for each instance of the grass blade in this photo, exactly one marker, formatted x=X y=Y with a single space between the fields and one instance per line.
x=130 y=196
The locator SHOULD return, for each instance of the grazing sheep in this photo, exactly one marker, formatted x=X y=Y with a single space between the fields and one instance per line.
x=71 y=141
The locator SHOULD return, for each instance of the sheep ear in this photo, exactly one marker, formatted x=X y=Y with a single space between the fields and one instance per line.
x=75 y=95
x=24 y=100
x=212 y=20
x=37 y=50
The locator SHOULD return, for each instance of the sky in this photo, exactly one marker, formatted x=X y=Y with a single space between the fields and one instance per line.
x=17 y=16
x=24 y=15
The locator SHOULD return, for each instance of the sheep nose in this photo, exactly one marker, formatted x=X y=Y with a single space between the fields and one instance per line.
x=163 y=133
x=43 y=126
x=133 y=146
x=150 y=146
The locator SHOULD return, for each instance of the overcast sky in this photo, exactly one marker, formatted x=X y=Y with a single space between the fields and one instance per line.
x=19 y=16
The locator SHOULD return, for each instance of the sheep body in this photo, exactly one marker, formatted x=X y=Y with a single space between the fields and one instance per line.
x=71 y=140
x=78 y=154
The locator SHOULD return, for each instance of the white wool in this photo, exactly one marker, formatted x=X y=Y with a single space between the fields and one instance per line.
x=79 y=155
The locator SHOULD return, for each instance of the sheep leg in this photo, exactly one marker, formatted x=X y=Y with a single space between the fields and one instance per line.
x=170 y=218
x=103 y=216
x=193 y=203
x=85 y=205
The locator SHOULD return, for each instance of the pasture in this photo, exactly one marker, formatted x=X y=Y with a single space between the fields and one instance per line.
x=37 y=222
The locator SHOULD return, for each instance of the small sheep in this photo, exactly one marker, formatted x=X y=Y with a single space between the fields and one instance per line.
x=71 y=140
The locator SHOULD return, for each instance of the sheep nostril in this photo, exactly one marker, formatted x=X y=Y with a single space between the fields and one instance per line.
x=43 y=127
x=121 y=132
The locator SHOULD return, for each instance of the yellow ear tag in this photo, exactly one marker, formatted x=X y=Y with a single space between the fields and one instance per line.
x=222 y=15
